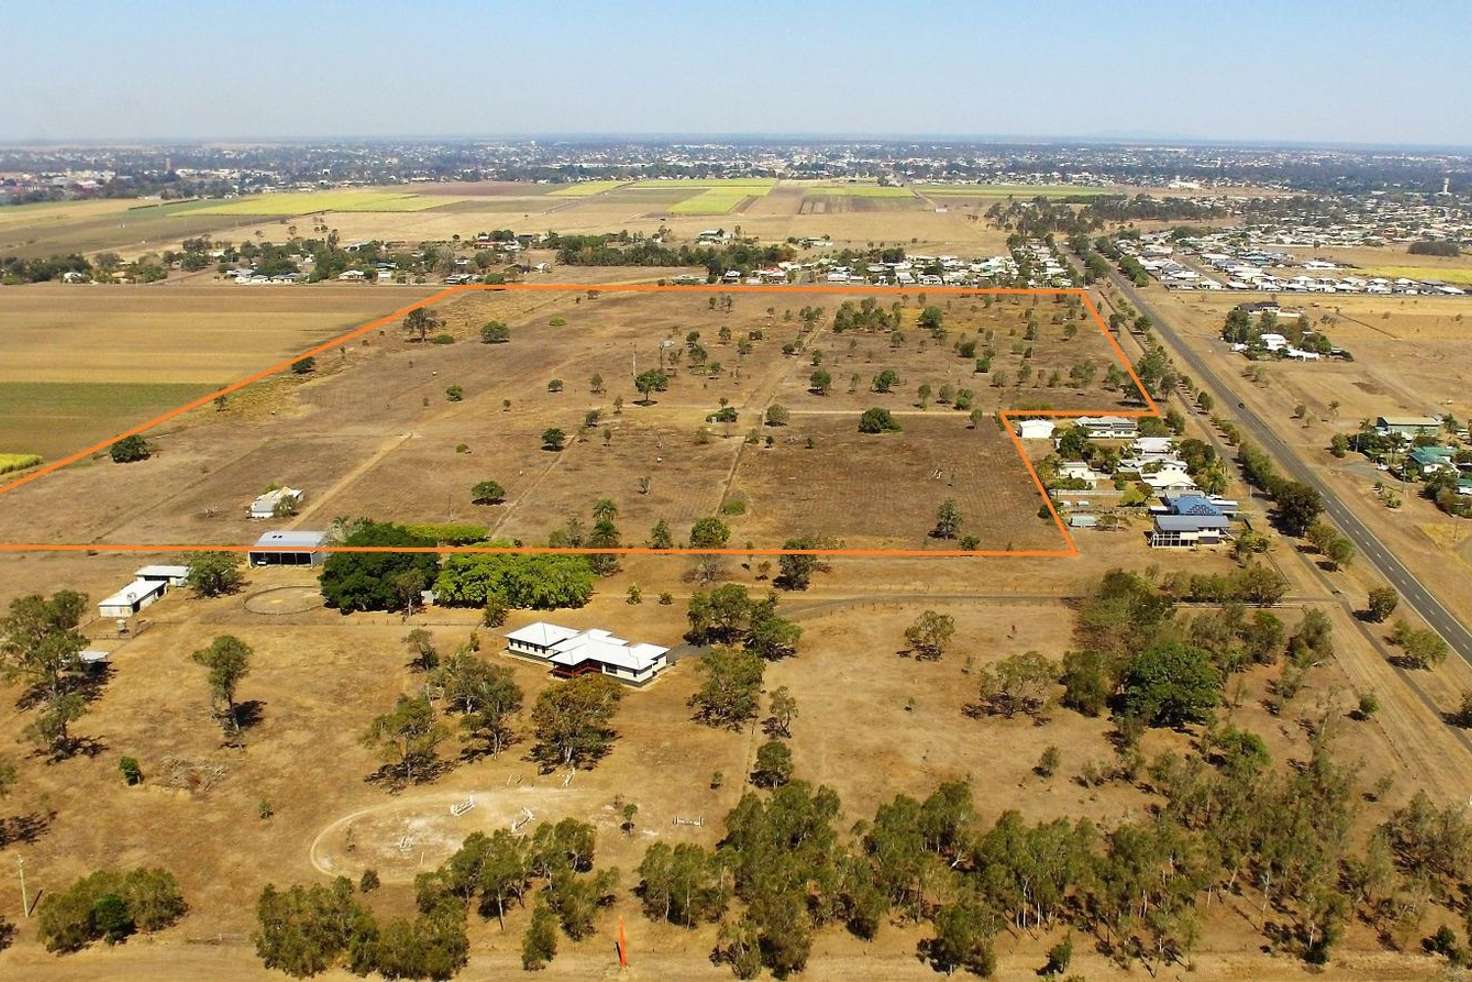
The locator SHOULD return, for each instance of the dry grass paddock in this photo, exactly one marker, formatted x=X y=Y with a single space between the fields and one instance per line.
x=375 y=432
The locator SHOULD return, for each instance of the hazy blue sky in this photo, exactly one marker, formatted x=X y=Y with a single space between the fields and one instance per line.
x=1303 y=70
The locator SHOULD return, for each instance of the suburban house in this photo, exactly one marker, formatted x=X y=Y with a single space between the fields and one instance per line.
x=1035 y=429
x=1153 y=445
x=1109 y=427
x=1407 y=426
x=1227 y=506
x=570 y=652
x=289 y=549
x=1078 y=470
x=1168 y=478
x=1190 y=520
x=275 y=503
x=1432 y=459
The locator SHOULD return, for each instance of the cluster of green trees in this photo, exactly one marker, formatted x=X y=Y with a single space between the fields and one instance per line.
x=1298 y=504
x=109 y=905
x=17 y=269
x=1139 y=656
x=393 y=580
x=867 y=315
x=304 y=931
x=1241 y=328
x=728 y=615
x=621 y=249
x=353 y=581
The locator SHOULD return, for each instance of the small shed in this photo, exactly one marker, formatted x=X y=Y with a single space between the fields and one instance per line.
x=132 y=598
x=172 y=575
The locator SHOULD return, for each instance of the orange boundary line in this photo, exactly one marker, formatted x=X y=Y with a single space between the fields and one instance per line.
x=1003 y=416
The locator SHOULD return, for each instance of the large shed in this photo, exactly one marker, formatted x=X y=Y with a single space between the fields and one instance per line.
x=289 y=549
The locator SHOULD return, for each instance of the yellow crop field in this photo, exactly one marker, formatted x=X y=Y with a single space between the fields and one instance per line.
x=10 y=462
x=716 y=201
x=584 y=189
x=861 y=191
x=305 y=202
x=1446 y=274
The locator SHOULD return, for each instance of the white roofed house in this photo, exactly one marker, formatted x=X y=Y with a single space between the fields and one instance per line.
x=1034 y=429
x=570 y=652
x=276 y=503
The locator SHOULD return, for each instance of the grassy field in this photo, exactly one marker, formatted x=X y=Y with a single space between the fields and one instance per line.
x=10 y=462
x=861 y=191
x=51 y=212
x=1446 y=274
x=584 y=189
x=305 y=202
x=1011 y=190
x=30 y=231
x=56 y=418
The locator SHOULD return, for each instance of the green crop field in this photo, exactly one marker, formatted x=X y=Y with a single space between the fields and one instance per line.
x=55 y=418
x=584 y=189
x=861 y=191
x=716 y=201
x=1012 y=190
x=10 y=462
x=305 y=202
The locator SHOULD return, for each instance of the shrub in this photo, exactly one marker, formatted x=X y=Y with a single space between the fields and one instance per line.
x=557 y=322
x=495 y=332
x=487 y=493
x=494 y=614
x=214 y=573
x=442 y=339
x=304 y=366
x=132 y=773
x=878 y=420
x=449 y=533
x=130 y=449
x=454 y=393
x=553 y=438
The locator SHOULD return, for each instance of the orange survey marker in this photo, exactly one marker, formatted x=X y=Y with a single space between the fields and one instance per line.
x=1005 y=417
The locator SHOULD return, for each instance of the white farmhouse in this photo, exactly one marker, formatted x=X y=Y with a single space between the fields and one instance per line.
x=571 y=652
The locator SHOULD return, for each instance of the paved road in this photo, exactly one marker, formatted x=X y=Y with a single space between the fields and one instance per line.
x=1432 y=610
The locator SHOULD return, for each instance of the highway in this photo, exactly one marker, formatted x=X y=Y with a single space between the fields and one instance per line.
x=1413 y=594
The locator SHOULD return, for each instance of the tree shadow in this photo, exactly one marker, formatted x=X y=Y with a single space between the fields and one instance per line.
x=249 y=713
x=25 y=828
x=89 y=684
x=391 y=778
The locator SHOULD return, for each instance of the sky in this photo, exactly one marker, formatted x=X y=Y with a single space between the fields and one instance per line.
x=1303 y=71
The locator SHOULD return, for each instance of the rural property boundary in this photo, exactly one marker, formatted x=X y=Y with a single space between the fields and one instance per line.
x=1004 y=419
